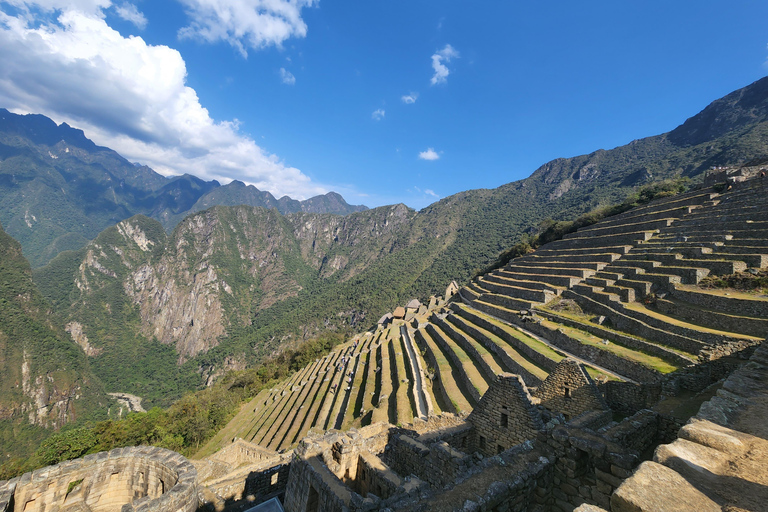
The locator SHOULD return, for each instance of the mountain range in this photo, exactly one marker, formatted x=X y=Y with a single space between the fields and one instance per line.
x=203 y=278
x=58 y=189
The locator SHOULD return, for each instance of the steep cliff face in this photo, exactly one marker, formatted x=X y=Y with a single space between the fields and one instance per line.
x=215 y=271
x=45 y=377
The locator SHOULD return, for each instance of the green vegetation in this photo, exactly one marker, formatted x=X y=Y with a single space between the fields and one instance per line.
x=184 y=426
x=756 y=282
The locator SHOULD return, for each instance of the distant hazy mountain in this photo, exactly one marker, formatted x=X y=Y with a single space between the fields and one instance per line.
x=58 y=189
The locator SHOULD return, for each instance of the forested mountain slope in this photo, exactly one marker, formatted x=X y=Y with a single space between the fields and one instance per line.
x=45 y=378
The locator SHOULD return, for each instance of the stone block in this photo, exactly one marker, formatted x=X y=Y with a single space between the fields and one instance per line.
x=657 y=488
x=690 y=458
x=715 y=436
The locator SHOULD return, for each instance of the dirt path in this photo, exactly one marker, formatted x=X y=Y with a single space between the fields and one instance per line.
x=132 y=402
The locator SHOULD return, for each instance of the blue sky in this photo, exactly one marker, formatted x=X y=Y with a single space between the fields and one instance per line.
x=301 y=97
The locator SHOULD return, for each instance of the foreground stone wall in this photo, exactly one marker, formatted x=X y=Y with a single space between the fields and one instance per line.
x=137 y=478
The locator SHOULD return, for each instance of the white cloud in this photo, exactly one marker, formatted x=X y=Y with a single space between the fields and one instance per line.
x=287 y=77
x=132 y=97
x=441 y=70
x=378 y=115
x=429 y=154
x=245 y=23
x=131 y=14
x=431 y=192
x=411 y=98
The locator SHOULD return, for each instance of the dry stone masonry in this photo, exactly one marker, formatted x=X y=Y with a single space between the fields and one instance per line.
x=146 y=479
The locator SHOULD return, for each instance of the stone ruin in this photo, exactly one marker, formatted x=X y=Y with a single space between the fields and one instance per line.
x=502 y=456
x=141 y=479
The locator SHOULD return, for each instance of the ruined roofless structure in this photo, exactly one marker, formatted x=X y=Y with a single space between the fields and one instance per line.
x=144 y=478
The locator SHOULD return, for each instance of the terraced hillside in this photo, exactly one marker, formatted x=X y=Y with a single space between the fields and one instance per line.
x=377 y=376
x=622 y=296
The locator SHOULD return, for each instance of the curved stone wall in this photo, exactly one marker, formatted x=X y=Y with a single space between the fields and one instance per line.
x=142 y=478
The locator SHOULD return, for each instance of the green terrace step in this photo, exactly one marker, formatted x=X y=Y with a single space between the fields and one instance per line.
x=446 y=389
x=494 y=286
x=708 y=224
x=495 y=337
x=541 y=277
x=727 y=302
x=556 y=263
x=303 y=412
x=310 y=418
x=415 y=365
x=586 y=242
x=671 y=324
x=507 y=302
x=549 y=251
x=347 y=397
x=476 y=385
x=662 y=281
x=634 y=326
x=354 y=403
x=551 y=271
x=711 y=235
x=271 y=413
x=370 y=380
x=688 y=275
x=493 y=318
x=607 y=257
x=716 y=267
x=329 y=399
x=381 y=412
x=671 y=213
x=618 y=229
x=473 y=289
x=622 y=360
x=595 y=292
x=713 y=319
x=501 y=277
x=717 y=214
x=480 y=356
x=676 y=357
x=686 y=199
x=589 y=348
x=404 y=402
x=269 y=431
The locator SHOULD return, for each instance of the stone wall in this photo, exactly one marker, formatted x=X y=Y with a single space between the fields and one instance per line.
x=504 y=417
x=757 y=326
x=438 y=463
x=628 y=398
x=374 y=477
x=138 y=478
x=568 y=390
x=590 y=466
x=757 y=308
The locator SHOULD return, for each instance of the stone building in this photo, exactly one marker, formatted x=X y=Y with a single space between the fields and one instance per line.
x=570 y=391
x=505 y=416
